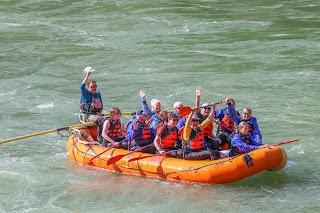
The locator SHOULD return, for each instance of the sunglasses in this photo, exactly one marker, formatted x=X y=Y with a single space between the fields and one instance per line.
x=94 y=87
x=207 y=108
x=178 y=107
x=175 y=120
x=195 y=121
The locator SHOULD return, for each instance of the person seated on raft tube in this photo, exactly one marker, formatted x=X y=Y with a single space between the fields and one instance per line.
x=252 y=121
x=167 y=138
x=225 y=124
x=194 y=145
x=91 y=102
x=158 y=118
x=155 y=104
x=203 y=112
x=112 y=130
x=242 y=141
x=139 y=133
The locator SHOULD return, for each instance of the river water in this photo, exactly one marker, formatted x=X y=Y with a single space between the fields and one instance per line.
x=265 y=54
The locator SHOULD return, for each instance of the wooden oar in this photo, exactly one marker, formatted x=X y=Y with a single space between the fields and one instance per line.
x=46 y=132
x=122 y=113
x=185 y=110
x=285 y=142
x=139 y=158
x=119 y=157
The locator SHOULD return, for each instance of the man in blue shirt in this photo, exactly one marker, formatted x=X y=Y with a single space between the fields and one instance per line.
x=91 y=102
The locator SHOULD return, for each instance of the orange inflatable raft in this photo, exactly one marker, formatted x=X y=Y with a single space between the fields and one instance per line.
x=225 y=170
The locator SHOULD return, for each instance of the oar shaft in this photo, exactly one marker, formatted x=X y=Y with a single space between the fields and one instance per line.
x=285 y=142
x=45 y=132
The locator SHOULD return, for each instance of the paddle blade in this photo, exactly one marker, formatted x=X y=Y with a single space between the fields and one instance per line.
x=114 y=159
x=184 y=111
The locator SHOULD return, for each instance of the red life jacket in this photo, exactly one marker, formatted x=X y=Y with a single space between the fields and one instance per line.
x=208 y=130
x=196 y=141
x=114 y=128
x=149 y=121
x=146 y=132
x=169 y=139
x=226 y=121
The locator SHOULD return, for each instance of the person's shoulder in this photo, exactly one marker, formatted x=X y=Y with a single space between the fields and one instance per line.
x=162 y=127
x=254 y=119
x=82 y=85
x=154 y=115
x=235 y=138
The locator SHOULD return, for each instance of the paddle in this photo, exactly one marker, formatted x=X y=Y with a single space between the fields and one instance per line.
x=285 y=142
x=46 y=132
x=122 y=113
x=223 y=126
x=234 y=117
x=185 y=110
x=139 y=158
x=119 y=157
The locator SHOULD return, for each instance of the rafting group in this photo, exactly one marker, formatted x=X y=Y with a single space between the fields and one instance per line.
x=185 y=132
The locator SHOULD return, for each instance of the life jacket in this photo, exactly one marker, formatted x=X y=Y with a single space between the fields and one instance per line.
x=146 y=133
x=92 y=107
x=146 y=136
x=196 y=141
x=114 y=128
x=208 y=130
x=169 y=139
x=159 y=125
x=149 y=121
x=245 y=139
x=226 y=121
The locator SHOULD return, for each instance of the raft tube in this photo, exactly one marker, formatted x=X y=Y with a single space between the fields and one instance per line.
x=225 y=170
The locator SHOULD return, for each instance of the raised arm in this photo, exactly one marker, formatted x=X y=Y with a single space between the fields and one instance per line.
x=187 y=126
x=86 y=78
x=144 y=103
x=197 y=103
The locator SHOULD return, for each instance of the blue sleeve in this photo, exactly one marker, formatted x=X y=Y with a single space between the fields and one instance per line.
x=181 y=123
x=153 y=134
x=257 y=137
x=85 y=94
x=219 y=113
x=241 y=145
x=146 y=108
x=155 y=121
x=130 y=132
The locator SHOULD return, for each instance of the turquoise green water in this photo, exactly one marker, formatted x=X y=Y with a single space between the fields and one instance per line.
x=265 y=54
